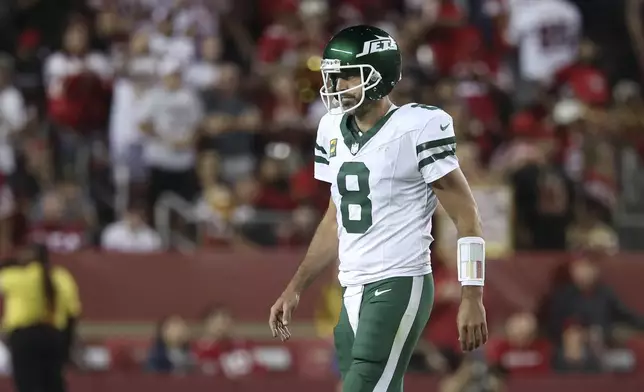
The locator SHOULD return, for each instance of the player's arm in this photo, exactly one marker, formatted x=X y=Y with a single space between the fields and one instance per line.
x=437 y=162
x=455 y=195
x=324 y=246
x=322 y=251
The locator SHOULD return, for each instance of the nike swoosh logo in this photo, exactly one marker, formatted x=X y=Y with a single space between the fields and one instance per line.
x=378 y=292
x=444 y=127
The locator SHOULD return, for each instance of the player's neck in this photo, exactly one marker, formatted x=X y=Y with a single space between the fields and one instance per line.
x=365 y=121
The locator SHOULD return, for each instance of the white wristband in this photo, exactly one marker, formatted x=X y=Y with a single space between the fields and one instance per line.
x=470 y=254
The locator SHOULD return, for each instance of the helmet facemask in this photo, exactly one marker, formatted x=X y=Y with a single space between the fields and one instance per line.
x=332 y=71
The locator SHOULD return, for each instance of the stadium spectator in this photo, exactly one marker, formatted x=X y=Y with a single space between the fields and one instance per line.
x=131 y=235
x=205 y=72
x=137 y=75
x=543 y=194
x=28 y=76
x=78 y=84
x=590 y=232
x=299 y=229
x=13 y=116
x=546 y=35
x=7 y=209
x=167 y=45
x=588 y=301
x=577 y=354
x=584 y=79
x=62 y=219
x=219 y=351
x=171 y=351
x=521 y=352
x=230 y=125
x=283 y=108
x=171 y=118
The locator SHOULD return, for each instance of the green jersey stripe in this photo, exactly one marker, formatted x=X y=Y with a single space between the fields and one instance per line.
x=320 y=148
x=435 y=143
x=319 y=159
x=435 y=157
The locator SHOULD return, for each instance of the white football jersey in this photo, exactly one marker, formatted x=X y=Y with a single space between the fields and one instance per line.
x=380 y=186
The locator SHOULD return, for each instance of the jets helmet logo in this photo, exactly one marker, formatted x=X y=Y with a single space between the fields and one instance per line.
x=379 y=44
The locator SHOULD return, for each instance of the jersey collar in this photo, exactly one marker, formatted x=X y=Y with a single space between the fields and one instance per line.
x=351 y=133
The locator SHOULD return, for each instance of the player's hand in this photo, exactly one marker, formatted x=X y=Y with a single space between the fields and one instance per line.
x=281 y=312
x=472 y=325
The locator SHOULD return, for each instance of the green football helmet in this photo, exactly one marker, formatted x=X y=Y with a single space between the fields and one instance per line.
x=364 y=51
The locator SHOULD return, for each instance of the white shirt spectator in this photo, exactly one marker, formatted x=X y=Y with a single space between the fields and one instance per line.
x=201 y=75
x=193 y=16
x=128 y=103
x=181 y=49
x=59 y=66
x=547 y=33
x=175 y=116
x=127 y=110
x=122 y=237
x=13 y=117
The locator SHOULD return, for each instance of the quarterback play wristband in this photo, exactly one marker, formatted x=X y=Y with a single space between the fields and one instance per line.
x=470 y=252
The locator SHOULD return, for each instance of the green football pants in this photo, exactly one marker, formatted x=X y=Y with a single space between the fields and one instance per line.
x=378 y=329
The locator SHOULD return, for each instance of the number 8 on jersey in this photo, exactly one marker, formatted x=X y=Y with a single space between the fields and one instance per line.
x=355 y=205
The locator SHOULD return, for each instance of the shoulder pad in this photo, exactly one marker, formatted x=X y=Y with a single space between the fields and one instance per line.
x=418 y=115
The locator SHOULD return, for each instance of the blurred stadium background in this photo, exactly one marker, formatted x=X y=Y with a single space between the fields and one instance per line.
x=180 y=243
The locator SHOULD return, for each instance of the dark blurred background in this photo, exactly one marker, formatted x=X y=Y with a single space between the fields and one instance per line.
x=185 y=128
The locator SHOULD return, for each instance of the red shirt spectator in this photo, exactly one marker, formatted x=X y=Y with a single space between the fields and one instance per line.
x=533 y=359
x=521 y=353
x=219 y=353
x=450 y=39
x=304 y=187
x=232 y=358
x=78 y=82
x=587 y=83
x=474 y=89
x=275 y=42
x=59 y=237
x=270 y=10
x=60 y=220
x=273 y=193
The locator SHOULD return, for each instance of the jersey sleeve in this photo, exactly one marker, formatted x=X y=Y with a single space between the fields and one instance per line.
x=436 y=148
x=321 y=170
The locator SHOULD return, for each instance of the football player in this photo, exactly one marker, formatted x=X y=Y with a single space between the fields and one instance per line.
x=388 y=167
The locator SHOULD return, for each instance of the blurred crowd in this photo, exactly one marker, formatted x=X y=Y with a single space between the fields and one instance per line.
x=137 y=125
x=143 y=125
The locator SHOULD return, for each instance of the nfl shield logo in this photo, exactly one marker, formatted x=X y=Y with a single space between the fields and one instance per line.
x=332 y=149
x=354 y=148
